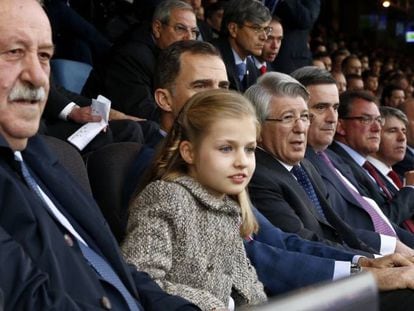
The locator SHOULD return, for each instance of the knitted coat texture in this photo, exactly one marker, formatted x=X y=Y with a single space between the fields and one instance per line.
x=189 y=242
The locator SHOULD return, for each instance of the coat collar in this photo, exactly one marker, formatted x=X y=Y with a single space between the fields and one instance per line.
x=227 y=204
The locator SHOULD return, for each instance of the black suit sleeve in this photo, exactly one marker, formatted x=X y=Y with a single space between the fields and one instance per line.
x=153 y=298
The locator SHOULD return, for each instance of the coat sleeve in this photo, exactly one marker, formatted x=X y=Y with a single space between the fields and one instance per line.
x=149 y=244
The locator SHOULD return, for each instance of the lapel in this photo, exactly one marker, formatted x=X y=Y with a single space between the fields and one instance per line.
x=281 y=175
x=76 y=204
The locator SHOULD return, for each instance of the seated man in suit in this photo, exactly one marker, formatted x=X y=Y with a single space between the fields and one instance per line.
x=271 y=47
x=392 y=150
x=126 y=78
x=407 y=164
x=358 y=135
x=244 y=30
x=56 y=251
x=285 y=187
x=358 y=211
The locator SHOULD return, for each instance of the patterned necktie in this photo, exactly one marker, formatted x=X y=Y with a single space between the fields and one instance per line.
x=96 y=261
x=409 y=223
x=263 y=69
x=373 y=172
x=306 y=184
x=241 y=70
x=380 y=225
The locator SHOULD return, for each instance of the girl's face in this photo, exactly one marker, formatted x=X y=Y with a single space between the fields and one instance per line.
x=223 y=162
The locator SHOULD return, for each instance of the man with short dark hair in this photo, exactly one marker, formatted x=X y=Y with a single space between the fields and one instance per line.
x=127 y=76
x=244 y=30
x=348 y=200
x=392 y=96
x=358 y=135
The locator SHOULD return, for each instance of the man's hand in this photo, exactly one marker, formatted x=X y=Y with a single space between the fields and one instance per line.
x=389 y=261
x=118 y=115
x=394 y=278
x=403 y=249
x=83 y=115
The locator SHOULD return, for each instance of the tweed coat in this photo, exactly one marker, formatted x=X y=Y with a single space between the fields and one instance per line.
x=189 y=242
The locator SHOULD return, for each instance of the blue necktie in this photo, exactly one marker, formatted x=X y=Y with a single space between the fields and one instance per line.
x=241 y=70
x=306 y=184
x=96 y=261
x=380 y=225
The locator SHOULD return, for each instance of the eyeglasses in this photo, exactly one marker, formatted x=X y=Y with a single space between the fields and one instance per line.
x=183 y=30
x=290 y=120
x=367 y=120
x=259 y=29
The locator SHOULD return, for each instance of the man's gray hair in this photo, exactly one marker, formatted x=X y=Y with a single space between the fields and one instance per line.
x=273 y=84
x=242 y=11
x=388 y=112
x=163 y=10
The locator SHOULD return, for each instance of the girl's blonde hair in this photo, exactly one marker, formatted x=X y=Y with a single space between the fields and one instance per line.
x=192 y=123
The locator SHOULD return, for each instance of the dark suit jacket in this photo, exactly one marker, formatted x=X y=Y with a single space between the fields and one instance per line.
x=280 y=198
x=347 y=207
x=227 y=54
x=298 y=18
x=40 y=263
x=126 y=78
x=118 y=130
x=400 y=208
x=284 y=261
x=407 y=164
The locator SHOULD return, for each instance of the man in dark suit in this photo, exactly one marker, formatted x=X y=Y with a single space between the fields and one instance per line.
x=370 y=223
x=358 y=135
x=66 y=112
x=126 y=78
x=271 y=47
x=244 y=29
x=407 y=164
x=298 y=18
x=57 y=251
x=285 y=187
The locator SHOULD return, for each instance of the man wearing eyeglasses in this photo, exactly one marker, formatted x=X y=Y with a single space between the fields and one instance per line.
x=244 y=30
x=285 y=187
x=350 y=201
x=127 y=77
x=358 y=135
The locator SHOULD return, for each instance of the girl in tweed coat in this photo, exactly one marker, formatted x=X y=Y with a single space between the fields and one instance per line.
x=186 y=227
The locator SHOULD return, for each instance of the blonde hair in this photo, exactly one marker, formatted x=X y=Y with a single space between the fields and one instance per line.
x=192 y=123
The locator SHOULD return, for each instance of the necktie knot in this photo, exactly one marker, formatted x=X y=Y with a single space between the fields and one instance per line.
x=263 y=69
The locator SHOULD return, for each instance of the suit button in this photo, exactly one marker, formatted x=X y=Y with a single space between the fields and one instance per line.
x=210 y=267
x=68 y=240
x=106 y=303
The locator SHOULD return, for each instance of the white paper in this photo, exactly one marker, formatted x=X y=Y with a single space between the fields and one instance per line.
x=83 y=136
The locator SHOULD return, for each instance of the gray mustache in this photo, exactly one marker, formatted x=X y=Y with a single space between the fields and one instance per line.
x=27 y=93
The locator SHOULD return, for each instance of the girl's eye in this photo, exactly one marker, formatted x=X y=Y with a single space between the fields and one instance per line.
x=225 y=148
x=250 y=149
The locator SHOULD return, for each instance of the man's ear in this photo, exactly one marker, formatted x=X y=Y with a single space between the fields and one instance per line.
x=163 y=99
x=232 y=28
x=340 y=128
x=156 y=28
x=187 y=151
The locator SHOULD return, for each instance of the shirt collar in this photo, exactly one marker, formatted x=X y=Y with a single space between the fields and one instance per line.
x=381 y=166
x=358 y=158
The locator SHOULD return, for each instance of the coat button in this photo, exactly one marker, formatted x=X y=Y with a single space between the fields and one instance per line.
x=210 y=267
x=106 y=303
x=68 y=240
